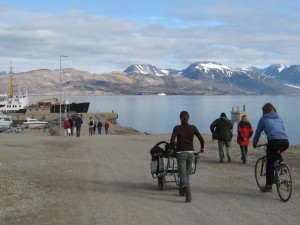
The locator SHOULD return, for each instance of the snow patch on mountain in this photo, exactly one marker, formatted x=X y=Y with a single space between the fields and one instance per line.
x=146 y=69
x=281 y=68
x=213 y=65
x=210 y=67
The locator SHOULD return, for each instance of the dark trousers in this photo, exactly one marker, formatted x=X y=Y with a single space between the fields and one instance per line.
x=244 y=152
x=78 y=131
x=272 y=154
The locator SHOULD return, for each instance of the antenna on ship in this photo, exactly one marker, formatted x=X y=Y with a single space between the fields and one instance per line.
x=11 y=86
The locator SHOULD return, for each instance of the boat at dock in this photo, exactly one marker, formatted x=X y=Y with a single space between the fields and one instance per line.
x=5 y=121
x=67 y=107
x=11 y=102
x=52 y=105
x=34 y=123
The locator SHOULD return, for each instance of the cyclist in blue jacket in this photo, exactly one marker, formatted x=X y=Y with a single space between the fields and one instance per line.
x=277 y=138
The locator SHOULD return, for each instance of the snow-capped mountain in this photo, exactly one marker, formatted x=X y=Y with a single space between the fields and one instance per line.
x=286 y=74
x=207 y=70
x=290 y=75
x=216 y=71
x=273 y=79
x=205 y=78
x=149 y=69
x=249 y=80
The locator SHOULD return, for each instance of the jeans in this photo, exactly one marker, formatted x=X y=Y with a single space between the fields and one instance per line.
x=221 y=151
x=244 y=152
x=184 y=162
x=91 y=131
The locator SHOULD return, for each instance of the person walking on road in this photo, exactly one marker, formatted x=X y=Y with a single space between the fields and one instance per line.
x=223 y=127
x=245 y=132
x=67 y=127
x=184 y=134
x=99 y=126
x=71 y=125
x=106 y=126
x=78 y=123
x=272 y=125
x=91 y=125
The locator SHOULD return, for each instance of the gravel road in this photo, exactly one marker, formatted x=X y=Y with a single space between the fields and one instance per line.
x=106 y=180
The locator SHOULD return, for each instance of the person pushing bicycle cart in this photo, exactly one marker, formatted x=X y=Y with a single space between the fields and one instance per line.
x=273 y=127
x=185 y=152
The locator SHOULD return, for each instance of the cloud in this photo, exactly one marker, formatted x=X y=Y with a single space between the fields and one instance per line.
x=235 y=33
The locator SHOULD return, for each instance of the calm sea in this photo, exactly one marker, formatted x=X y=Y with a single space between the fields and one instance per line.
x=159 y=114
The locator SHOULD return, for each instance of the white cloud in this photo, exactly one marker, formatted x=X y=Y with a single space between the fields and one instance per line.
x=235 y=33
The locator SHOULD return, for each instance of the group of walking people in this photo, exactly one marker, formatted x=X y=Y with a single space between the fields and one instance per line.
x=72 y=125
x=222 y=129
x=93 y=125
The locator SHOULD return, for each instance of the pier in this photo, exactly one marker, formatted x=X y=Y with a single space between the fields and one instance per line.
x=237 y=115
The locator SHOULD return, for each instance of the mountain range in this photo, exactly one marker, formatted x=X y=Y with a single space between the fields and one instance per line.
x=201 y=78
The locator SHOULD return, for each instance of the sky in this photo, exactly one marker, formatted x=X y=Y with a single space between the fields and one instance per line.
x=102 y=36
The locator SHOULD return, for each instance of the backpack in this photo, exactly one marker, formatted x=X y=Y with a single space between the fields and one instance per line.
x=158 y=151
x=91 y=123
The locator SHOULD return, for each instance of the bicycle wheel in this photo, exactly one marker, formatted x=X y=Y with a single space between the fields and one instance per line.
x=284 y=183
x=161 y=182
x=260 y=172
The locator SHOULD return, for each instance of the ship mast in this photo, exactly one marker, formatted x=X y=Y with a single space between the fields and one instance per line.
x=11 y=86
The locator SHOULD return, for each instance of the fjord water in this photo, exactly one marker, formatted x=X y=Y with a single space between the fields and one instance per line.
x=159 y=114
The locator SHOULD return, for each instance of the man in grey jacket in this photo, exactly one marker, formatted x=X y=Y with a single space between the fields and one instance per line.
x=223 y=127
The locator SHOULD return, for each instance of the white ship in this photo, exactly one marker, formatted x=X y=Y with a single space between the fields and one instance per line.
x=12 y=102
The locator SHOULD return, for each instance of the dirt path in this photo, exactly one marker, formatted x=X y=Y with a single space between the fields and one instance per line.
x=106 y=180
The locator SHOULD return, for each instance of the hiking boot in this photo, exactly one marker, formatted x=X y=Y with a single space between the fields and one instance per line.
x=229 y=159
x=221 y=161
x=188 y=196
x=266 y=188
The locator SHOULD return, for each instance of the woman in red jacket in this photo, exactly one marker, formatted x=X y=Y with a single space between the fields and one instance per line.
x=67 y=127
x=245 y=132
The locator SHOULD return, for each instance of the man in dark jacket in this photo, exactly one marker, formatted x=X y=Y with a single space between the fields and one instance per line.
x=78 y=123
x=223 y=127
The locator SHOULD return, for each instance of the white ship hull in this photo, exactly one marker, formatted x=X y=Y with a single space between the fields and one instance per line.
x=33 y=123
x=16 y=103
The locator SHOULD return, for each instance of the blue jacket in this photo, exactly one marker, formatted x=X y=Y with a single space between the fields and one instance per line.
x=273 y=127
x=78 y=122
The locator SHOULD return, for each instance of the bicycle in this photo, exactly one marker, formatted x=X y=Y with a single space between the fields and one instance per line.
x=283 y=176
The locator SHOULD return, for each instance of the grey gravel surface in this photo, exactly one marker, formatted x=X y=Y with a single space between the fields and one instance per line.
x=47 y=180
